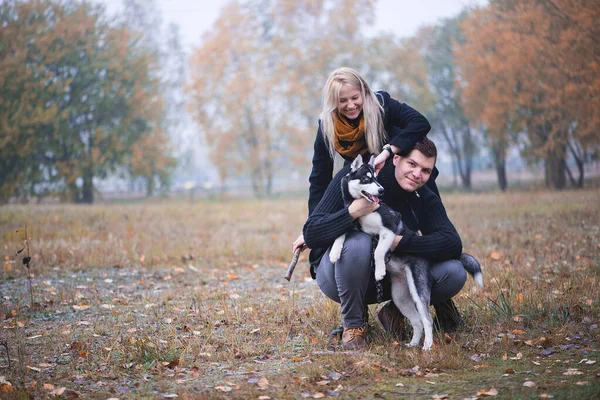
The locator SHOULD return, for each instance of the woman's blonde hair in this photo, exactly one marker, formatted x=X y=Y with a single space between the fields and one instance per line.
x=375 y=135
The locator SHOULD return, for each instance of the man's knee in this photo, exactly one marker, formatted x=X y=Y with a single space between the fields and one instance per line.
x=449 y=277
x=357 y=250
x=456 y=272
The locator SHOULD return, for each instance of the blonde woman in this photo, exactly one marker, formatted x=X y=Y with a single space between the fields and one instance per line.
x=355 y=120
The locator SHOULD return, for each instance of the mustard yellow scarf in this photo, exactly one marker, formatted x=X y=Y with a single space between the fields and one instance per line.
x=349 y=140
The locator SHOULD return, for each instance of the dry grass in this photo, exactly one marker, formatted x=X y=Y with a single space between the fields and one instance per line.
x=188 y=299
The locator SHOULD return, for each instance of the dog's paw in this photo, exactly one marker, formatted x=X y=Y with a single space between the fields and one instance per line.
x=379 y=275
x=427 y=346
x=334 y=256
x=411 y=344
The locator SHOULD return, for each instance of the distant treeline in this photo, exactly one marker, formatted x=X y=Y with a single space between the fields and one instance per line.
x=83 y=98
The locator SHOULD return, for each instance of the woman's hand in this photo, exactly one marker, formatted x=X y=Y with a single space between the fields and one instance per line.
x=361 y=207
x=299 y=243
x=380 y=160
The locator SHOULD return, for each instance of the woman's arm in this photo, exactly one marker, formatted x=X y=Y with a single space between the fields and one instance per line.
x=404 y=125
x=321 y=173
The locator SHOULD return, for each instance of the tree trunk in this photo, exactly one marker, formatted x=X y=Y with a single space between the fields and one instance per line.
x=87 y=191
x=555 y=170
x=579 y=156
x=499 y=157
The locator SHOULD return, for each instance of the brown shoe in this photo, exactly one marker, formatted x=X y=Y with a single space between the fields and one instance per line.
x=392 y=321
x=354 y=338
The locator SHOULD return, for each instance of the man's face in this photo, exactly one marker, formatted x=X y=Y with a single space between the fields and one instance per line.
x=413 y=170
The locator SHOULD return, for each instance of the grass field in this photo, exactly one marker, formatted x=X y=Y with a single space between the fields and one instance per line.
x=187 y=300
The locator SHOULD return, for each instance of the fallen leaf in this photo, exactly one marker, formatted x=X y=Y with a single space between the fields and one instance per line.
x=572 y=371
x=34 y=337
x=495 y=255
x=479 y=357
x=336 y=376
x=440 y=397
x=517 y=357
x=263 y=383
x=487 y=393
x=6 y=388
x=546 y=352
x=529 y=384
x=224 y=388
x=318 y=395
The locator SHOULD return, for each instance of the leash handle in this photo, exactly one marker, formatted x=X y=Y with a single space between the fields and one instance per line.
x=292 y=266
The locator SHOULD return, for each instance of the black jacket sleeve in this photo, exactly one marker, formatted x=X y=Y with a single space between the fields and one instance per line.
x=321 y=173
x=330 y=218
x=439 y=240
x=404 y=125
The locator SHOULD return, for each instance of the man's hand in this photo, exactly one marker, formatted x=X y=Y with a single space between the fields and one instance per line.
x=361 y=207
x=397 y=240
x=299 y=243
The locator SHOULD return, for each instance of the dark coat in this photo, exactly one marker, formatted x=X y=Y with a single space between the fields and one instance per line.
x=404 y=126
x=421 y=210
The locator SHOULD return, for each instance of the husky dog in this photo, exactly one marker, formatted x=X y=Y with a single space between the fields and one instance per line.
x=385 y=222
x=410 y=276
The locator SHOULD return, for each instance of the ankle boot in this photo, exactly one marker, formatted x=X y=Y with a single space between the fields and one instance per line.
x=354 y=338
x=392 y=321
x=447 y=316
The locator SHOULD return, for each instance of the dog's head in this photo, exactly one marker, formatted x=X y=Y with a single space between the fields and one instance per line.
x=362 y=181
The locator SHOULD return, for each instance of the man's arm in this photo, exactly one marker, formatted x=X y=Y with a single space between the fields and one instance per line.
x=440 y=240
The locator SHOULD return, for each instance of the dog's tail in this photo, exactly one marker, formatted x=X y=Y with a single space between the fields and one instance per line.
x=472 y=266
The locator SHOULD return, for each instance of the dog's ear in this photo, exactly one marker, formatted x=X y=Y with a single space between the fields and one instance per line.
x=372 y=160
x=356 y=163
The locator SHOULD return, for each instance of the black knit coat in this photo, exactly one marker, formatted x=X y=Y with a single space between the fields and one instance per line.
x=421 y=210
x=404 y=127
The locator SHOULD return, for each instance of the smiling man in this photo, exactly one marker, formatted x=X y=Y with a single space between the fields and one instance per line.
x=350 y=281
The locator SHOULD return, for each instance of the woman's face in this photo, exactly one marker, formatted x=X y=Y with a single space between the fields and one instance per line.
x=351 y=102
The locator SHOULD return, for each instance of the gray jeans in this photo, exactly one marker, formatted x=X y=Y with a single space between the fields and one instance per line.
x=351 y=281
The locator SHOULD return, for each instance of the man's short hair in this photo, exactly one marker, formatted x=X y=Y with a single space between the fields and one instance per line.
x=425 y=146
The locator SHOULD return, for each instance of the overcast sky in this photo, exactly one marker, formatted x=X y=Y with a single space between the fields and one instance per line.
x=401 y=17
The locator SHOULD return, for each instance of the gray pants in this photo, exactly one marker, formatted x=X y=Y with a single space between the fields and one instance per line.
x=351 y=281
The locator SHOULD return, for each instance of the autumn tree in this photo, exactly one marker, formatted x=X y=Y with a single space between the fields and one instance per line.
x=529 y=70
x=257 y=77
x=446 y=112
x=90 y=96
x=26 y=110
x=150 y=160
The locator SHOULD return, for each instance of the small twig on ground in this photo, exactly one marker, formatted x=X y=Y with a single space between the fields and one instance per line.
x=26 y=262
x=5 y=345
